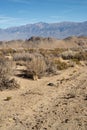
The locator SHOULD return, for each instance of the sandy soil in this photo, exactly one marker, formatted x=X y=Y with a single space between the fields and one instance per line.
x=38 y=105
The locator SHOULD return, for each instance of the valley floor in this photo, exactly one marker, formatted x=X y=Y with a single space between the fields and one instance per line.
x=52 y=103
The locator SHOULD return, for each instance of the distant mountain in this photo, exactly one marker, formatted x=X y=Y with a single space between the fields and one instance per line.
x=55 y=30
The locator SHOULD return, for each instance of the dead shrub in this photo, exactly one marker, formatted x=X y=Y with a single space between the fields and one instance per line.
x=6 y=82
x=36 y=66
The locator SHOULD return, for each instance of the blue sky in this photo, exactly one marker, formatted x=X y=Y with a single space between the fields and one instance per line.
x=21 y=12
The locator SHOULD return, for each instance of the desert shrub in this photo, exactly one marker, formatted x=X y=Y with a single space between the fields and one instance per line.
x=53 y=52
x=54 y=65
x=8 y=51
x=43 y=66
x=81 y=56
x=74 y=55
x=77 y=61
x=5 y=75
x=4 y=67
x=67 y=55
x=61 y=65
x=51 y=67
x=36 y=66
x=30 y=50
x=21 y=63
x=23 y=56
x=43 y=52
x=57 y=51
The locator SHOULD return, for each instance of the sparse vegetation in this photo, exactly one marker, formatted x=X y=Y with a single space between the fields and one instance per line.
x=43 y=62
x=60 y=90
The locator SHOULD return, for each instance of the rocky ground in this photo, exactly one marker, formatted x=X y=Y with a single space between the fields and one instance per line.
x=52 y=103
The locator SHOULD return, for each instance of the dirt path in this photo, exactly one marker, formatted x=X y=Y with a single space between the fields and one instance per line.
x=61 y=105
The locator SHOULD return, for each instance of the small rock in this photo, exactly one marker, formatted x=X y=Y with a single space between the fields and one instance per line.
x=66 y=120
x=85 y=97
x=69 y=95
x=51 y=84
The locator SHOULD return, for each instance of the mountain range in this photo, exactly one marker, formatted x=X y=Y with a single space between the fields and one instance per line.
x=55 y=30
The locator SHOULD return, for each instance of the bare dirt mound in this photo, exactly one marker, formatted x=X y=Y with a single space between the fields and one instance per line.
x=76 y=41
x=45 y=43
x=70 y=42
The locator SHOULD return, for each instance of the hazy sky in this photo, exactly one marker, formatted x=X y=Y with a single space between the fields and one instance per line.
x=20 y=12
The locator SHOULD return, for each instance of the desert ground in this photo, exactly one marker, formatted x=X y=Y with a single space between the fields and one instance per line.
x=52 y=102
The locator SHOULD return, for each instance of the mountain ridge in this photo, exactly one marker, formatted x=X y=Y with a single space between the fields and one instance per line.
x=56 y=30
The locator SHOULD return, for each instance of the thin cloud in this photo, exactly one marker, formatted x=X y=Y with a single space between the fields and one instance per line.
x=6 y=21
x=55 y=16
x=21 y=1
